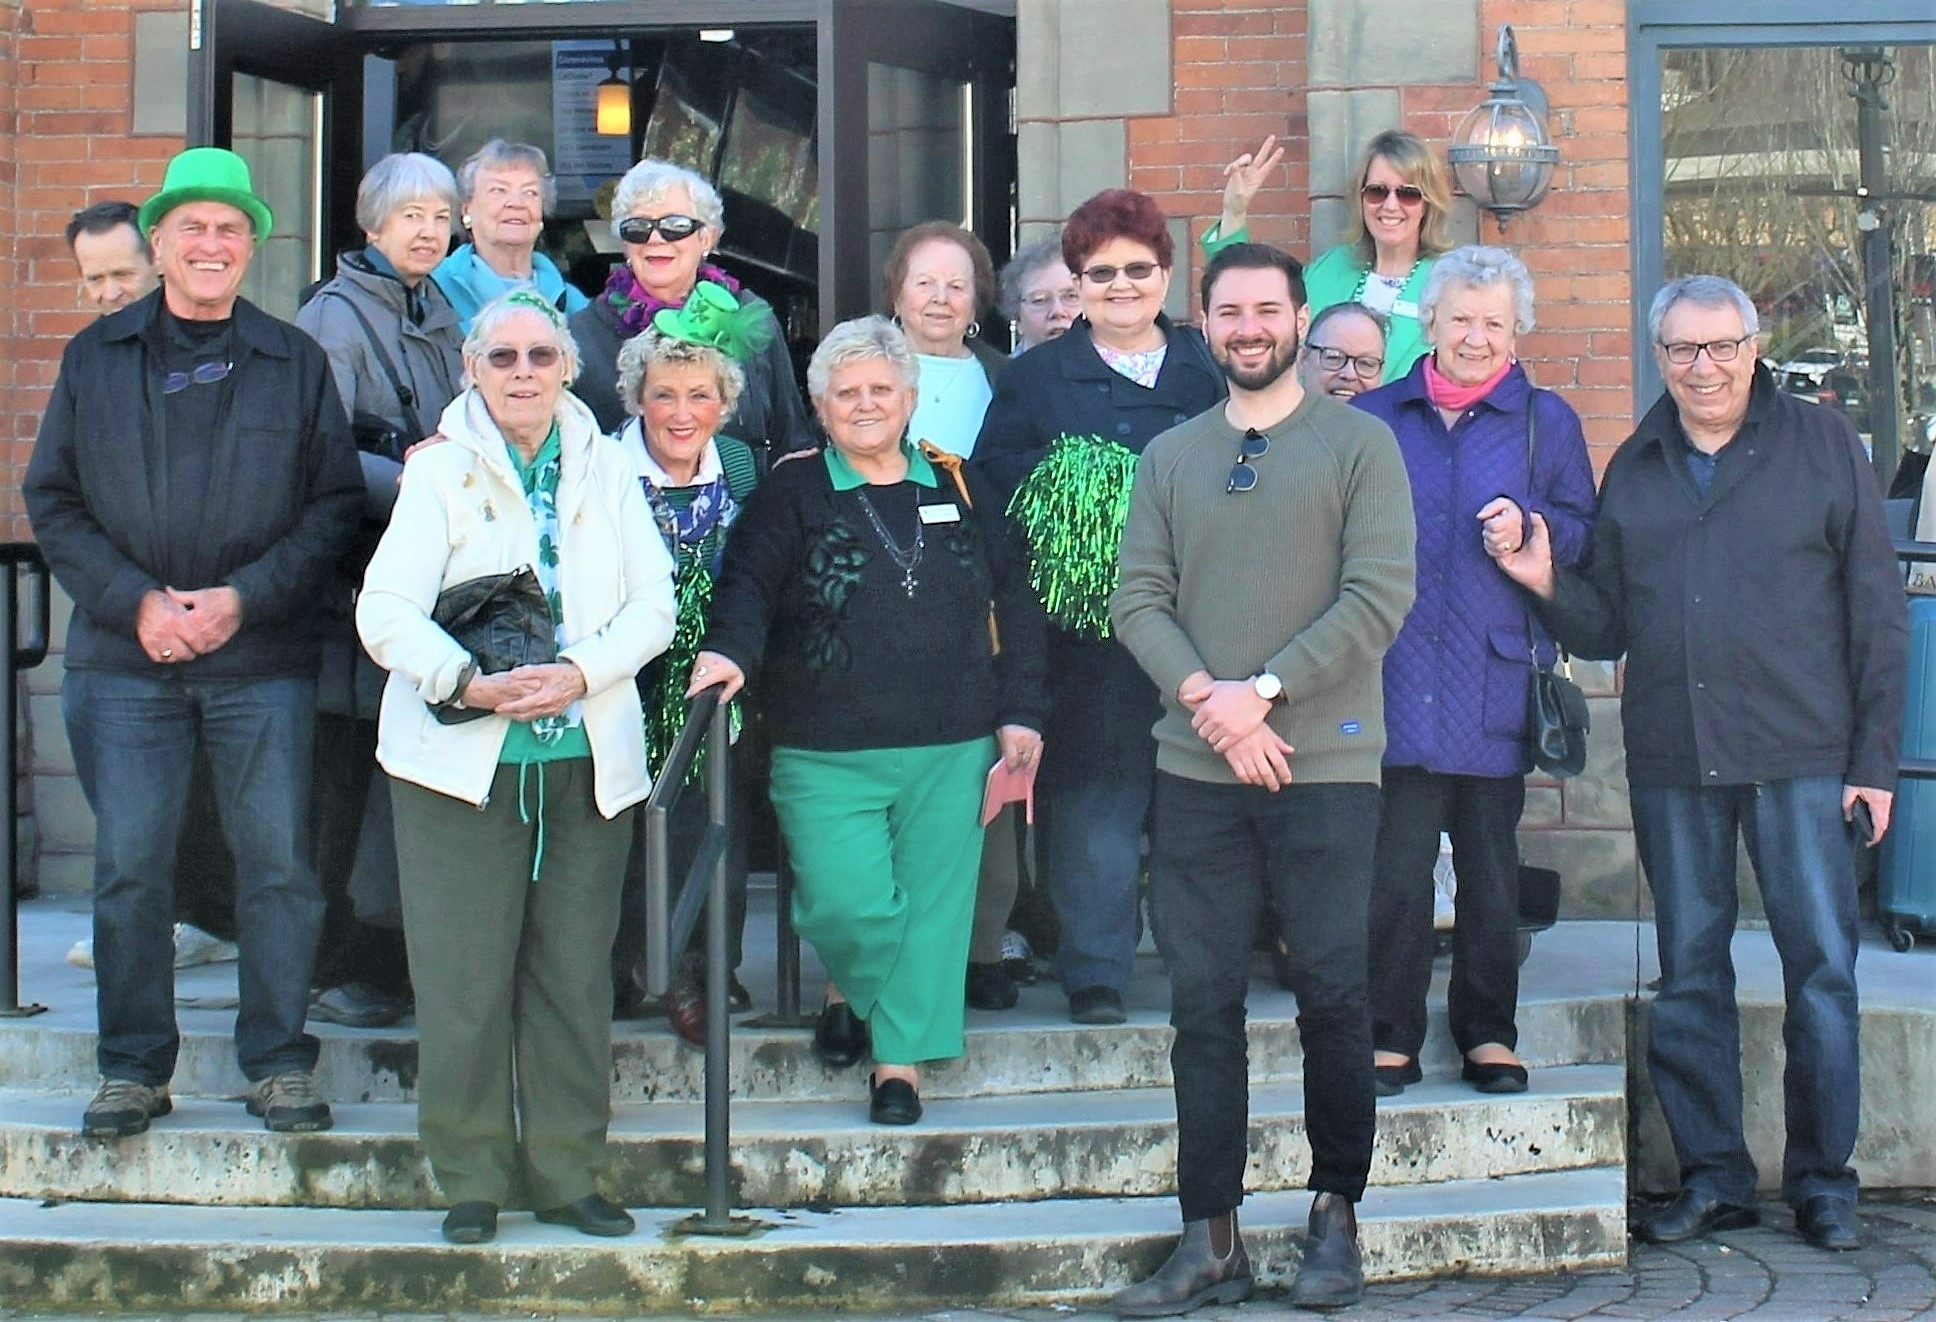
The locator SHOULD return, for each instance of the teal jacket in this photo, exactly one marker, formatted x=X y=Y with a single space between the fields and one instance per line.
x=469 y=284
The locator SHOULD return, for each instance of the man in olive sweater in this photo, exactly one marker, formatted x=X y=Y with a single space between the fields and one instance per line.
x=1266 y=567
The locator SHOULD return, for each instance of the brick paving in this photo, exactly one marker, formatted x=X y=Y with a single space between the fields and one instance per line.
x=1765 y=1274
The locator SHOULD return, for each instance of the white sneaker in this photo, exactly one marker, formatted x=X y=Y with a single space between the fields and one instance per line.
x=192 y=946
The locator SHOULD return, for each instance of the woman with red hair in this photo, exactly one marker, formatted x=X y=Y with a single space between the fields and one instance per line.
x=1067 y=422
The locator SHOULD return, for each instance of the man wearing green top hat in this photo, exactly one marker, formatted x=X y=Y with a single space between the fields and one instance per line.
x=193 y=482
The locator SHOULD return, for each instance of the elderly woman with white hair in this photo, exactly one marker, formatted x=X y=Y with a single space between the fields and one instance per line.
x=1484 y=449
x=507 y=190
x=515 y=758
x=394 y=351
x=670 y=220
x=874 y=601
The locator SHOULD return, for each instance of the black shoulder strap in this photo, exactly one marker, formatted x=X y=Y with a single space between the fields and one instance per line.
x=406 y=397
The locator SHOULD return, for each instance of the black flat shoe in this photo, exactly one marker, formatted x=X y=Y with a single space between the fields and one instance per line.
x=990 y=987
x=1494 y=1076
x=471 y=1223
x=591 y=1215
x=840 y=1036
x=1096 y=1005
x=1694 y=1214
x=892 y=1102
x=1390 y=1080
x=1830 y=1223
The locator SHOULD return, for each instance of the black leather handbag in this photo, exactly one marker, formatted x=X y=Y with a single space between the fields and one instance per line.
x=1557 y=711
x=503 y=620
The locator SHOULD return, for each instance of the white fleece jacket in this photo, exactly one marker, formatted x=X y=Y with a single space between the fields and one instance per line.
x=461 y=514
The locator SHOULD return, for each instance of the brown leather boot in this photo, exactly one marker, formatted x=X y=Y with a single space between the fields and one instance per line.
x=1196 y=1273
x=1331 y=1275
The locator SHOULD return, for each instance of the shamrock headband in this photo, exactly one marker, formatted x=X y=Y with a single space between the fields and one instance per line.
x=714 y=318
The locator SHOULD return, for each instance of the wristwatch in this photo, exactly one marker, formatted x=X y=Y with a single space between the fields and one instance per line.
x=1267 y=686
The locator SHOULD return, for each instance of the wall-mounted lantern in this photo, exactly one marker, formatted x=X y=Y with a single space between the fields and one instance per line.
x=1502 y=155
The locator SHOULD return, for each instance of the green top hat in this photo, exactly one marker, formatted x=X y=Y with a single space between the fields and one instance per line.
x=207 y=174
x=713 y=317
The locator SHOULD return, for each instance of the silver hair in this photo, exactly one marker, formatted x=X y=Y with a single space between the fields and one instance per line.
x=647 y=349
x=651 y=179
x=856 y=341
x=1703 y=291
x=399 y=179
x=1378 y=322
x=497 y=154
x=1027 y=260
x=505 y=306
x=1477 y=265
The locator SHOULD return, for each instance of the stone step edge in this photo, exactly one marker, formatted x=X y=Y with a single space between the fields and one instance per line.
x=120 y=1258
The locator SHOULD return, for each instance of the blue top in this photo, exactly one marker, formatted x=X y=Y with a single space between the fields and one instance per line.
x=469 y=284
x=1457 y=675
x=953 y=398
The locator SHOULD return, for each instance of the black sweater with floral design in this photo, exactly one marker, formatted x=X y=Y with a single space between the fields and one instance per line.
x=839 y=654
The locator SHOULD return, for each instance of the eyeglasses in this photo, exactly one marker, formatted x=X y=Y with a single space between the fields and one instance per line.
x=540 y=356
x=1242 y=476
x=1067 y=298
x=202 y=374
x=1365 y=366
x=1409 y=195
x=1682 y=352
x=638 y=229
x=1106 y=275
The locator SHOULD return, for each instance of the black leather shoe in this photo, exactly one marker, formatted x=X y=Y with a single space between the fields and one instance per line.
x=471 y=1223
x=738 y=999
x=1693 y=1214
x=1390 y=1080
x=1192 y=1276
x=1096 y=1005
x=839 y=1037
x=1830 y=1223
x=591 y=1215
x=892 y=1102
x=1332 y=1275
x=990 y=987
x=1494 y=1076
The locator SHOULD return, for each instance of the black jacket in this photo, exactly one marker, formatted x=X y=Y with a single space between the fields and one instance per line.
x=1764 y=626
x=282 y=503
x=771 y=417
x=1063 y=388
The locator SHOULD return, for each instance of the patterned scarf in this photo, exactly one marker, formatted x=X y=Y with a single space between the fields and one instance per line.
x=635 y=306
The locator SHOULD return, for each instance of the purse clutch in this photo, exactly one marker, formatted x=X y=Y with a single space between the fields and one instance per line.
x=503 y=620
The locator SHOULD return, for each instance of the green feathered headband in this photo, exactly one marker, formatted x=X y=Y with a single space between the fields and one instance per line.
x=1072 y=506
x=714 y=318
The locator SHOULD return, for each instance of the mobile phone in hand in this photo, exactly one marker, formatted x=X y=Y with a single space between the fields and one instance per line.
x=1862 y=821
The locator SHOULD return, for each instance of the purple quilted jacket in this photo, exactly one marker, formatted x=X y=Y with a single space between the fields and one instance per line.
x=1456 y=679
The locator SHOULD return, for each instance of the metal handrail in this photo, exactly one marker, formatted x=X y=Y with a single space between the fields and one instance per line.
x=18 y=561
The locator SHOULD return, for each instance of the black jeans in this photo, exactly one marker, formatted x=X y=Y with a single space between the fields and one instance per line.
x=1482 y=815
x=1219 y=851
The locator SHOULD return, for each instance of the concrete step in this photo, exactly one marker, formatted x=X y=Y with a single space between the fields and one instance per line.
x=822 y=1154
x=136 y=1257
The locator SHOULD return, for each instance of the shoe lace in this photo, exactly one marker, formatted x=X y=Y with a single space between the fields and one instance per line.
x=294 y=1089
x=116 y=1094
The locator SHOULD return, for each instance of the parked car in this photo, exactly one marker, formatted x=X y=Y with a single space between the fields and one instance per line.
x=1846 y=387
x=1802 y=374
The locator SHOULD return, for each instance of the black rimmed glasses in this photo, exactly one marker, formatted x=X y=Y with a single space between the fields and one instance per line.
x=1682 y=352
x=1366 y=366
x=202 y=374
x=1106 y=275
x=638 y=229
x=1242 y=476
x=1409 y=195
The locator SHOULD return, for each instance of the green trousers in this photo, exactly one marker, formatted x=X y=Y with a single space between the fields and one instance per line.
x=513 y=981
x=885 y=845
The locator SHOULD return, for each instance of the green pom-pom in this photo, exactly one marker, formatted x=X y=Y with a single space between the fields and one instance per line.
x=665 y=710
x=1073 y=506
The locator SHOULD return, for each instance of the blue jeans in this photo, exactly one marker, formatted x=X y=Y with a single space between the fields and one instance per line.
x=1804 y=861
x=134 y=739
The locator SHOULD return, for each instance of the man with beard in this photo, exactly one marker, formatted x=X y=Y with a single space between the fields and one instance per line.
x=1344 y=351
x=1266 y=566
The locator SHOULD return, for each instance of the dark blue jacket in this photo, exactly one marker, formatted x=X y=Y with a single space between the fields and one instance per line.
x=1456 y=678
x=282 y=504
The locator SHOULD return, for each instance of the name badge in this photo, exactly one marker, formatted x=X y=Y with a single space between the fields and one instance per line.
x=1404 y=307
x=940 y=514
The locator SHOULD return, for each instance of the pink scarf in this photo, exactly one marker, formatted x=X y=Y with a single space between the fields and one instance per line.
x=1453 y=397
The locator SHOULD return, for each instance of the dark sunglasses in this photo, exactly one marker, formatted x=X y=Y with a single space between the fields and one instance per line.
x=202 y=374
x=1105 y=275
x=1242 y=476
x=637 y=229
x=1409 y=195
x=504 y=357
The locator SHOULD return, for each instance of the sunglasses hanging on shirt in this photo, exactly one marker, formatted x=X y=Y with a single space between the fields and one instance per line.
x=1242 y=476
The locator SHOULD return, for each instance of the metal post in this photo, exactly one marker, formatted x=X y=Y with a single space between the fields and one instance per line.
x=787 y=956
x=1871 y=70
x=18 y=654
x=719 y=1205
x=658 y=870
